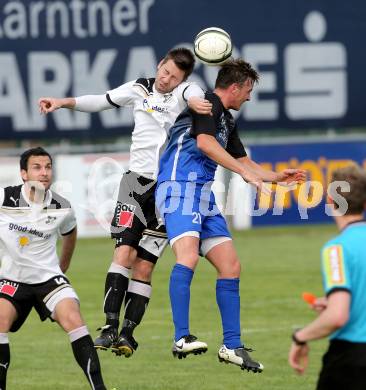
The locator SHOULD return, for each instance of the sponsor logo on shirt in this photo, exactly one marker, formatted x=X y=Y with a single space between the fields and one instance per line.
x=125 y=215
x=167 y=97
x=334 y=266
x=155 y=107
x=8 y=288
x=50 y=220
x=25 y=229
x=15 y=201
x=223 y=133
x=23 y=241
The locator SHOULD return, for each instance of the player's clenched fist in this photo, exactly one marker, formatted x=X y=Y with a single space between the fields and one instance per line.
x=50 y=104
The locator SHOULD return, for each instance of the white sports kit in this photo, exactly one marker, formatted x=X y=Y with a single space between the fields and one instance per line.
x=28 y=235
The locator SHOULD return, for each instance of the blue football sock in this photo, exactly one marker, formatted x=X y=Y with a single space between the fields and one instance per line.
x=228 y=300
x=179 y=291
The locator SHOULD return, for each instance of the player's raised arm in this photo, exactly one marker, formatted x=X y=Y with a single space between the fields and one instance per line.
x=50 y=104
x=86 y=103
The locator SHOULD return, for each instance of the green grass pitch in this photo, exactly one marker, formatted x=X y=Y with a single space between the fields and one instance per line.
x=278 y=264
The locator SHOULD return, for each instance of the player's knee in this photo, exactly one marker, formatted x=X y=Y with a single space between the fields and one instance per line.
x=236 y=268
x=70 y=320
x=190 y=259
x=124 y=255
x=143 y=271
x=230 y=269
x=8 y=315
x=5 y=323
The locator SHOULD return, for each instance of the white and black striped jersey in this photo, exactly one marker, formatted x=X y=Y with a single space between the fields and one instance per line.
x=154 y=114
x=29 y=232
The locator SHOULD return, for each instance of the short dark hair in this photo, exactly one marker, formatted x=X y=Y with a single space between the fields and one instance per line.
x=183 y=58
x=355 y=176
x=235 y=71
x=38 y=151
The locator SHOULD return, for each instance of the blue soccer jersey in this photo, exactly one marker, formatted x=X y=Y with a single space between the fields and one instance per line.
x=182 y=160
x=344 y=268
x=184 y=197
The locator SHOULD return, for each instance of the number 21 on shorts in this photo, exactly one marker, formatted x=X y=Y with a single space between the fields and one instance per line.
x=196 y=217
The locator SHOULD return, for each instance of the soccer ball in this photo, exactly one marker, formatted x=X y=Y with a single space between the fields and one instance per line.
x=213 y=46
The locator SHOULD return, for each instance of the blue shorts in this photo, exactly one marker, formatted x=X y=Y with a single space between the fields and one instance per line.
x=190 y=207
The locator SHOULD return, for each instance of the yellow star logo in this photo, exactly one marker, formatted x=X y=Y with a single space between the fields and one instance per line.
x=23 y=241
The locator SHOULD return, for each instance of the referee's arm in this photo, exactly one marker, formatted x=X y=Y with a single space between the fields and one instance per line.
x=67 y=249
x=333 y=317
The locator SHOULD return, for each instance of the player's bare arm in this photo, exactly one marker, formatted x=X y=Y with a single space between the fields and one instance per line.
x=85 y=103
x=288 y=176
x=291 y=176
x=50 y=104
x=209 y=145
x=67 y=250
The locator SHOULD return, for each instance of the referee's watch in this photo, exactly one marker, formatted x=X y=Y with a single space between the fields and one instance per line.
x=296 y=340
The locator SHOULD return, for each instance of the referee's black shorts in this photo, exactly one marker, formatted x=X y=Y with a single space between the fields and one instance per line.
x=344 y=367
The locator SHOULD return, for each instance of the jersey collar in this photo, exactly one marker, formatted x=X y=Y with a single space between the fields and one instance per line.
x=219 y=100
x=354 y=223
x=164 y=95
x=46 y=202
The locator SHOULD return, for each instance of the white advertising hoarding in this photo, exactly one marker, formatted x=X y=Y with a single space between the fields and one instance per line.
x=9 y=171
